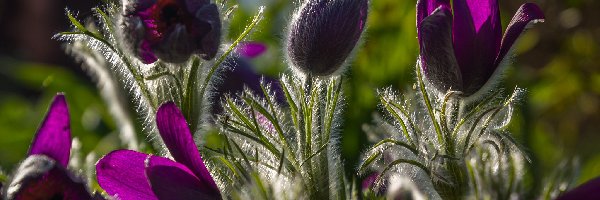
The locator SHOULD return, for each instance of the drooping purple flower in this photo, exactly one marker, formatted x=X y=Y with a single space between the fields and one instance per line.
x=462 y=44
x=128 y=174
x=588 y=190
x=323 y=33
x=171 y=30
x=44 y=174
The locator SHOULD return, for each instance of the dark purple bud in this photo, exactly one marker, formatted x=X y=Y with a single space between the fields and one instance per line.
x=323 y=33
x=41 y=177
x=171 y=30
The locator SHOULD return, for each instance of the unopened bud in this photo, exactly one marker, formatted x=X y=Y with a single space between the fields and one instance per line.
x=323 y=33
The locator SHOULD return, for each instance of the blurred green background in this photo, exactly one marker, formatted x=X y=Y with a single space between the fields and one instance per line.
x=557 y=62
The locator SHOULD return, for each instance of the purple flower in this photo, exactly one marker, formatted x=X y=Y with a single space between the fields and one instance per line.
x=588 y=190
x=128 y=174
x=44 y=174
x=251 y=49
x=368 y=182
x=323 y=33
x=462 y=48
x=171 y=30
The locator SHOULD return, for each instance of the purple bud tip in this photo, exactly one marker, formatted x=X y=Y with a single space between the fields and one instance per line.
x=323 y=33
x=171 y=30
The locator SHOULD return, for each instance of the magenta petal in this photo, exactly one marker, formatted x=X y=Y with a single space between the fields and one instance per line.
x=176 y=134
x=426 y=7
x=588 y=190
x=53 y=138
x=368 y=181
x=171 y=180
x=528 y=13
x=146 y=54
x=251 y=49
x=437 y=55
x=121 y=173
x=477 y=33
x=39 y=177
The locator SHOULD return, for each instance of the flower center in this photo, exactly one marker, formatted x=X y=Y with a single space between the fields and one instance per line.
x=163 y=17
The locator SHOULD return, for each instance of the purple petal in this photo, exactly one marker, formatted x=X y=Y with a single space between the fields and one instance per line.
x=528 y=13
x=368 y=182
x=172 y=180
x=53 y=138
x=39 y=177
x=193 y=5
x=426 y=7
x=176 y=134
x=121 y=174
x=146 y=54
x=477 y=33
x=588 y=190
x=437 y=55
x=251 y=49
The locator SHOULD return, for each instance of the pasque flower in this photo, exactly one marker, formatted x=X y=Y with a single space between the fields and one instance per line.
x=462 y=45
x=43 y=174
x=128 y=174
x=323 y=33
x=171 y=30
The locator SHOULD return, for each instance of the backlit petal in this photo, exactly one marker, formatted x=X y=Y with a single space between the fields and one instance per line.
x=437 y=55
x=477 y=33
x=53 y=138
x=176 y=134
x=426 y=7
x=172 y=180
x=121 y=173
x=527 y=14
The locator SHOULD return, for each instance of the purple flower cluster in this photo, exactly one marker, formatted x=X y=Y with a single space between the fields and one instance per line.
x=461 y=47
x=462 y=44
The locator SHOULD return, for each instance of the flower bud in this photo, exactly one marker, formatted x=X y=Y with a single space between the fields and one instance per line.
x=171 y=30
x=323 y=33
